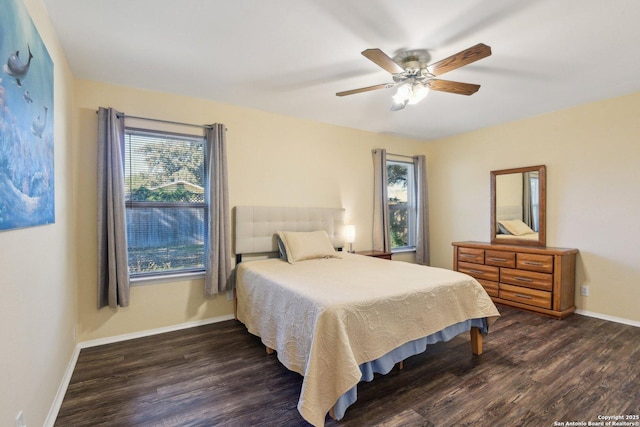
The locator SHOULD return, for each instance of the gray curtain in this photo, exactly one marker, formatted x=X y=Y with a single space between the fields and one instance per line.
x=113 y=271
x=218 y=277
x=422 y=201
x=381 y=234
x=527 y=206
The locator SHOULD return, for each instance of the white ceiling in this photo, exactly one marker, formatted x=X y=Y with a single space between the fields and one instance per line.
x=292 y=56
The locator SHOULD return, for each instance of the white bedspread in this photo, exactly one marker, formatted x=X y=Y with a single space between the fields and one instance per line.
x=325 y=317
x=528 y=236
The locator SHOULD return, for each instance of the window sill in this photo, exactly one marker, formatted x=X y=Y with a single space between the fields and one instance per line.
x=402 y=250
x=166 y=278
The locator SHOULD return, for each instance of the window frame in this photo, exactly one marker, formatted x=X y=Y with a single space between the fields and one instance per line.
x=412 y=207
x=165 y=276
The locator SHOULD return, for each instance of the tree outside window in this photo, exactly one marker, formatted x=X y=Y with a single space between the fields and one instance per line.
x=165 y=205
x=401 y=203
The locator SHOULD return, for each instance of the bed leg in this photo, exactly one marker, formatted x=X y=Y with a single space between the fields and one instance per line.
x=401 y=365
x=476 y=341
x=269 y=350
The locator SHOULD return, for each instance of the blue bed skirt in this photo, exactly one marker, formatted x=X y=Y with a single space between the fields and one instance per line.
x=384 y=364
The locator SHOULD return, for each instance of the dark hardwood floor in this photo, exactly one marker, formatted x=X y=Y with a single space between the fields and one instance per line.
x=534 y=371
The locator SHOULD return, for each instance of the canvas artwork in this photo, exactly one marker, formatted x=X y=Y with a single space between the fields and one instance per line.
x=27 y=196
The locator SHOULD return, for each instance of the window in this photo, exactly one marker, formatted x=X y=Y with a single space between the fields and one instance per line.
x=535 y=200
x=165 y=204
x=401 y=199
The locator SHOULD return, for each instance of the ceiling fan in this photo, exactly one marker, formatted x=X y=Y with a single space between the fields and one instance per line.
x=414 y=77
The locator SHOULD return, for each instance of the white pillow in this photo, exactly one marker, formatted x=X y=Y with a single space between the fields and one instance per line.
x=516 y=227
x=301 y=245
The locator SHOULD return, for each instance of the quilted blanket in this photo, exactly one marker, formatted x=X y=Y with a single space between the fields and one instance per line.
x=325 y=317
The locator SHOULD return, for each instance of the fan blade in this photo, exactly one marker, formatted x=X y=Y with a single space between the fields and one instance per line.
x=382 y=60
x=460 y=59
x=453 y=87
x=363 y=89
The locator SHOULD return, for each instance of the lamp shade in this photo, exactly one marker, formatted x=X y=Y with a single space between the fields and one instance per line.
x=350 y=233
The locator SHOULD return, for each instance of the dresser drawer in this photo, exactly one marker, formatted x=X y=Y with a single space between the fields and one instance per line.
x=490 y=287
x=530 y=279
x=480 y=271
x=475 y=256
x=534 y=262
x=525 y=295
x=500 y=258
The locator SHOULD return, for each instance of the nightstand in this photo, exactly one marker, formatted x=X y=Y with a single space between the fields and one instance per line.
x=376 y=254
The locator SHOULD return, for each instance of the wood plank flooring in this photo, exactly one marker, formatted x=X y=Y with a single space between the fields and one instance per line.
x=534 y=371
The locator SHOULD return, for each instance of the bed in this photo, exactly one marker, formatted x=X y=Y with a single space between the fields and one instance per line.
x=509 y=224
x=526 y=236
x=337 y=318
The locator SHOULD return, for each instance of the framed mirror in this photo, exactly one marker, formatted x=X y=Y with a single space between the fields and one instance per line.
x=518 y=206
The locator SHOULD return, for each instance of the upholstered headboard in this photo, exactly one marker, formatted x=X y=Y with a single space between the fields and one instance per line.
x=256 y=226
x=508 y=212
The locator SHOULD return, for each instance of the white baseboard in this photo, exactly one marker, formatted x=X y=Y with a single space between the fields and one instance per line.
x=66 y=379
x=62 y=389
x=607 y=317
x=150 y=332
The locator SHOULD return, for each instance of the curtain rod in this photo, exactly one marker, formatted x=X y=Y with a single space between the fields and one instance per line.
x=121 y=115
x=400 y=155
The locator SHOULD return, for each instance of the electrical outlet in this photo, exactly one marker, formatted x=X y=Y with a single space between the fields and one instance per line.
x=230 y=295
x=584 y=290
x=20 y=420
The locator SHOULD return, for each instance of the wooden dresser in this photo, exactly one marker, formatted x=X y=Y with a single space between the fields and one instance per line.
x=538 y=279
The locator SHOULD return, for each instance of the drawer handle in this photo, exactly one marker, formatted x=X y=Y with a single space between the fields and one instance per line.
x=536 y=264
x=522 y=296
x=524 y=279
x=467 y=256
x=476 y=271
x=497 y=259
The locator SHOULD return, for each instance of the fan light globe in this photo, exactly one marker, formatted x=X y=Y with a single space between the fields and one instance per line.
x=418 y=94
x=403 y=94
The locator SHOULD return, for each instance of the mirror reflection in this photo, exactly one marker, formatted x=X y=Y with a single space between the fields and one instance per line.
x=518 y=204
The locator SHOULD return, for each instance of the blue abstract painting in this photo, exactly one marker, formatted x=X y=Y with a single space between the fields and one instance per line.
x=27 y=196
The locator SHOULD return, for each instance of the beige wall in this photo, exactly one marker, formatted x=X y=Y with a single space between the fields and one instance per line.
x=273 y=161
x=277 y=160
x=38 y=273
x=593 y=171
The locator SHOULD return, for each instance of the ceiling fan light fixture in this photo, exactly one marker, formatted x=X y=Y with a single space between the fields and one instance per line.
x=418 y=93
x=398 y=104
x=415 y=78
x=404 y=93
